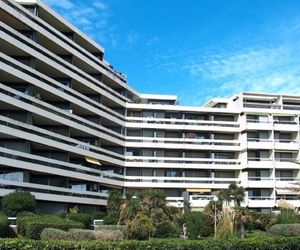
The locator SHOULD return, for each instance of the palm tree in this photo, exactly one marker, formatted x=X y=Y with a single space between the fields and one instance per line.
x=242 y=216
x=152 y=199
x=237 y=194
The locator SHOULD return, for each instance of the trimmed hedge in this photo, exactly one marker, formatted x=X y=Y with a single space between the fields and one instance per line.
x=285 y=230
x=80 y=234
x=261 y=243
x=31 y=227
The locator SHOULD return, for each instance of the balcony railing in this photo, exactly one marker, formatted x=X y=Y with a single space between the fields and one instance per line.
x=287 y=179
x=152 y=159
x=183 y=141
x=257 y=121
x=259 y=178
x=258 y=159
x=286 y=159
x=258 y=140
x=261 y=198
x=154 y=120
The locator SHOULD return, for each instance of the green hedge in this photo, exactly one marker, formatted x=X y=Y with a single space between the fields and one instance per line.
x=84 y=219
x=80 y=234
x=31 y=227
x=285 y=230
x=259 y=243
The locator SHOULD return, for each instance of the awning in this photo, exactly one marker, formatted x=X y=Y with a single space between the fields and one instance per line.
x=256 y=113
x=199 y=190
x=92 y=160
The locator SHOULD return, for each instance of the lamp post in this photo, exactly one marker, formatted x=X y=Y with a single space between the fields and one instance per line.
x=215 y=217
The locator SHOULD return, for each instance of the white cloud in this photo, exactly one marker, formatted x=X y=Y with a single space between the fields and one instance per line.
x=64 y=4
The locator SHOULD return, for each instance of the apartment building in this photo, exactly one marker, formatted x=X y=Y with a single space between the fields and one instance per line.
x=71 y=128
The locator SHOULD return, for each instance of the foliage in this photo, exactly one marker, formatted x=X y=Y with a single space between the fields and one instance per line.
x=110 y=220
x=80 y=234
x=114 y=202
x=195 y=224
x=285 y=229
x=18 y=201
x=225 y=226
x=209 y=211
x=263 y=221
x=99 y=215
x=112 y=227
x=261 y=243
x=32 y=226
x=74 y=210
x=140 y=228
x=242 y=216
x=233 y=193
x=84 y=219
x=151 y=200
x=3 y=225
x=54 y=234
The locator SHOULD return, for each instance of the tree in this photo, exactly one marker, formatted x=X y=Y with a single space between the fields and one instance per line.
x=242 y=216
x=233 y=193
x=152 y=199
x=18 y=201
x=114 y=202
x=195 y=224
x=140 y=228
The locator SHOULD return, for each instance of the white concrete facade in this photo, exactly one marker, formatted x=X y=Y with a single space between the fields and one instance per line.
x=71 y=128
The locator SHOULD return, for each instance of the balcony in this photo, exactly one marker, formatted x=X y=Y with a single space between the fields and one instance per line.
x=180 y=162
x=286 y=144
x=287 y=163
x=260 y=182
x=175 y=143
x=261 y=201
x=163 y=123
x=285 y=182
x=259 y=143
x=257 y=162
x=200 y=200
x=286 y=125
x=256 y=124
x=179 y=182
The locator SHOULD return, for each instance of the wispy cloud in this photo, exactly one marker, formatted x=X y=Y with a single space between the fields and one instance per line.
x=92 y=17
x=255 y=69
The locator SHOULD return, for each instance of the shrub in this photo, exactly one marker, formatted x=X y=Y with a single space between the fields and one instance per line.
x=54 y=234
x=261 y=243
x=18 y=201
x=84 y=219
x=31 y=227
x=263 y=221
x=285 y=229
x=81 y=234
x=195 y=224
x=287 y=216
x=3 y=225
x=110 y=220
x=99 y=215
x=108 y=235
x=166 y=229
x=122 y=228
x=141 y=228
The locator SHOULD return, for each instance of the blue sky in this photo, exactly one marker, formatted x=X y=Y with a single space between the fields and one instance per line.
x=196 y=49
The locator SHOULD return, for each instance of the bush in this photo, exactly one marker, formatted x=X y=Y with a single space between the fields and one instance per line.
x=18 y=201
x=141 y=228
x=84 y=219
x=54 y=234
x=122 y=228
x=99 y=215
x=31 y=227
x=195 y=224
x=262 y=221
x=80 y=234
x=3 y=225
x=110 y=220
x=108 y=235
x=166 y=229
x=285 y=230
x=261 y=243
x=287 y=216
